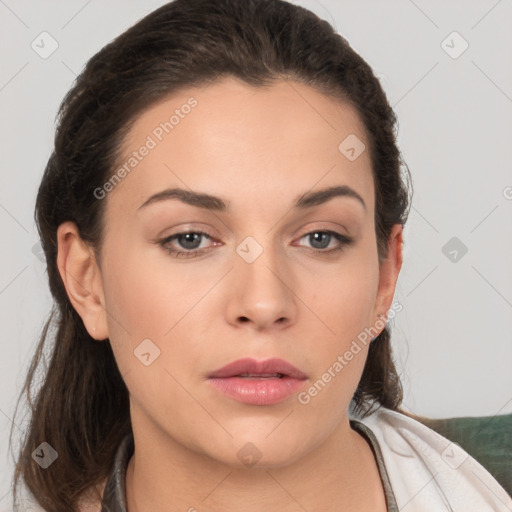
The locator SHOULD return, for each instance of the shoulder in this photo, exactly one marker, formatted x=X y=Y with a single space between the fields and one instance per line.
x=427 y=470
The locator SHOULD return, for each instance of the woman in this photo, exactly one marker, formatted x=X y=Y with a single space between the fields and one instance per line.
x=222 y=221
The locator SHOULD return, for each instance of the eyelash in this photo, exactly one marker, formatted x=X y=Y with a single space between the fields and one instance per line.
x=344 y=241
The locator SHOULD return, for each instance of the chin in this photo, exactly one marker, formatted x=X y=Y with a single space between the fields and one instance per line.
x=262 y=452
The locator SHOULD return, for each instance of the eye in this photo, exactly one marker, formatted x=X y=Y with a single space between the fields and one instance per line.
x=189 y=240
x=320 y=240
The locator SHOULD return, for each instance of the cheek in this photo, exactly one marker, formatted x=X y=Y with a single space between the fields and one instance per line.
x=345 y=298
x=134 y=304
x=146 y=296
x=143 y=306
x=346 y=305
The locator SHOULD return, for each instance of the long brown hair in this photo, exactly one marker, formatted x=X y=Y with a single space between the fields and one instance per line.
x=81 y=406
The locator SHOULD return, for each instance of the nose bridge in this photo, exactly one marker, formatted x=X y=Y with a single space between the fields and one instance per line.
x=259 y=259
x=261 y=279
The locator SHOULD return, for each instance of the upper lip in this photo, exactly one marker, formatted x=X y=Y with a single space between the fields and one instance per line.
x=252 y=366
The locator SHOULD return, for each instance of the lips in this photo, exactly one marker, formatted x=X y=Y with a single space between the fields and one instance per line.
x=251 y=368
x=259 y=383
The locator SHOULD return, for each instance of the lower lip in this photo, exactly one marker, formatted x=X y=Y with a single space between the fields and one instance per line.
x=262 y=391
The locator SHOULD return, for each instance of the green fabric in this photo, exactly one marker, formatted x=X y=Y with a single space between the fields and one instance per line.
x=488 y=439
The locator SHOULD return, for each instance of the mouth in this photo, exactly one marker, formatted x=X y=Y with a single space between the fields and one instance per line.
x=253 y=369
x=261 y=375
x=258 y=382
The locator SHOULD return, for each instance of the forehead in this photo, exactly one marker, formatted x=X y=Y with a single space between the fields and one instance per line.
x=231 y=139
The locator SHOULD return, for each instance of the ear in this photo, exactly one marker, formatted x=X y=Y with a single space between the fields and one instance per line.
x=388 y=272
x=81 y=276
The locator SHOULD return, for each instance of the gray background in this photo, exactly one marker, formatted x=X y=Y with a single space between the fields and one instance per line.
x=453 y=336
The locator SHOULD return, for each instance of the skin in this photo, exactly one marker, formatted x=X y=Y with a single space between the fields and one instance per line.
x=259 y=149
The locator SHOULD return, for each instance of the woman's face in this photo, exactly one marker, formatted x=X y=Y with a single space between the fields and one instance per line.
x=261 y=285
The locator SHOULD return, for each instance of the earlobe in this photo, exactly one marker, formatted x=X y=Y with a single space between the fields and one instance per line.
x=81 y=276
x=389 y=271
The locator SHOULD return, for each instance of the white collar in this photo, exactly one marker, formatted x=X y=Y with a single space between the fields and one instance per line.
x=428 y=472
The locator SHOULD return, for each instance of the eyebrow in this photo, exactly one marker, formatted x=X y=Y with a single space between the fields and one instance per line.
x=217 y=204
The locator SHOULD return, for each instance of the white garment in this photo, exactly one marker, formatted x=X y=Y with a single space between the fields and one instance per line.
x=428 y=473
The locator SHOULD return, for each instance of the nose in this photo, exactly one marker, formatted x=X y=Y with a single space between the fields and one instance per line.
x=261 y=288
